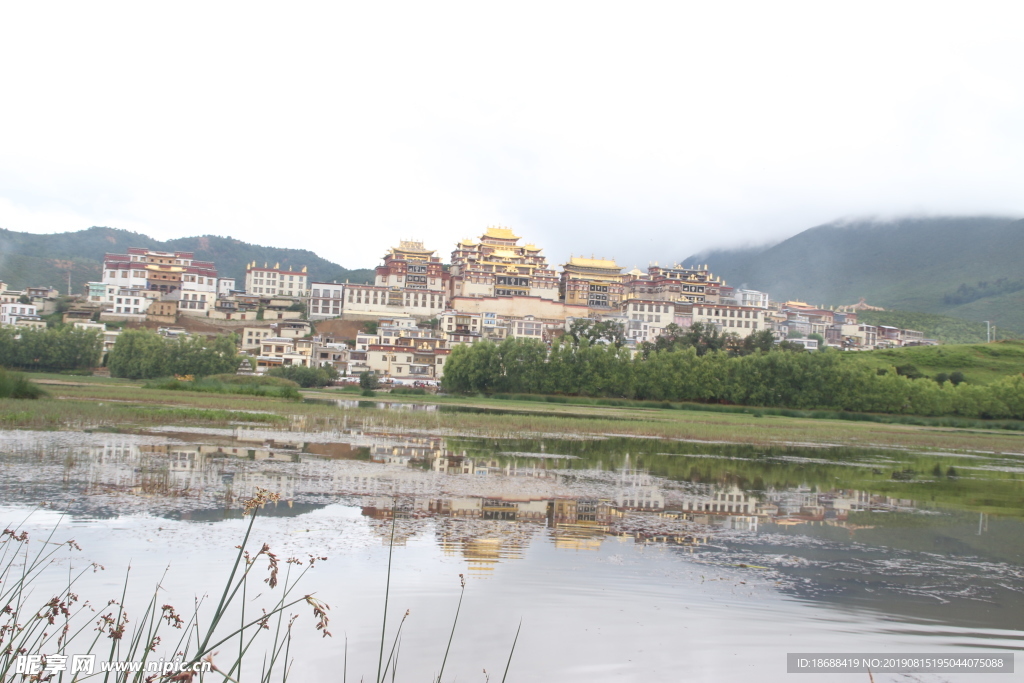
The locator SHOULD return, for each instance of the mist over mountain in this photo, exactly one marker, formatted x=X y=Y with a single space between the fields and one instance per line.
x=968 y=267
x=28 y=259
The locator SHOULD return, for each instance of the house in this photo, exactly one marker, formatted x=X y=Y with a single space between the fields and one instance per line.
x=740 y=320
x=325 y=300
x=645 y=319
x=280 y=351
x=251 y=337
x=406 y=353
x=276 y=281
x=20 y=315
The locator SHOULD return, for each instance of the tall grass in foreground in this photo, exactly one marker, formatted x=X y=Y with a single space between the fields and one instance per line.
x=59 y=624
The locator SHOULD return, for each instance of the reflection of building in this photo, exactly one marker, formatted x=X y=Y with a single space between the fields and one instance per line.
x=636 y=490
x=483 y=544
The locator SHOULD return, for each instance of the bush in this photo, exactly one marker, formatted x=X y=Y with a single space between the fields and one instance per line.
x=213 y=386
x=409 y=391
x=306 y=377
x=259 y=380
x=13 y=385
x=368 y=381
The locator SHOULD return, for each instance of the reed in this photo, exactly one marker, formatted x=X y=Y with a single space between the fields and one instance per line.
x=55 y=626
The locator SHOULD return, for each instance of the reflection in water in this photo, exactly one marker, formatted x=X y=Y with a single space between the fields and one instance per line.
x=893 y=531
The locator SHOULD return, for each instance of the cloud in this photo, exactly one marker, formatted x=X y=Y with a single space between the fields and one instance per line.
x=644 y=133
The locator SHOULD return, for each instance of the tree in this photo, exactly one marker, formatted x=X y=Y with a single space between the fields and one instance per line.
x=956 y=377
x=54 y=348
x=143 y=354
x=368 y=381
x=820 y=339
x=607 y=331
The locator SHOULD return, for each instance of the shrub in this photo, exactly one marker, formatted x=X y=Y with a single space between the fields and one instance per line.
x=14 y=385
x=306 y=377
x=368 y=381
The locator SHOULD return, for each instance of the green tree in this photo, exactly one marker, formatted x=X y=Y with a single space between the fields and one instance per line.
x=368 y=381
x=607 y=331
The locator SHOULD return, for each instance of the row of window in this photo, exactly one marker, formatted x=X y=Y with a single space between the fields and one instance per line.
x=651 y=308
x=736 y=323
x=730 y=313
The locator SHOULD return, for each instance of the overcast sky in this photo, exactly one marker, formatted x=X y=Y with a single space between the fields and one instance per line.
x=643 y=131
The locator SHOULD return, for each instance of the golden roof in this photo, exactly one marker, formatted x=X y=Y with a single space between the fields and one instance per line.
x=531 y=247
x=593 y=262
x=504 y=253
x=501 y=233
x=411 y=245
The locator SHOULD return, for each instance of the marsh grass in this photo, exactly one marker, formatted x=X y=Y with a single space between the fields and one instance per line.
x=60 y=623
x=209 y=385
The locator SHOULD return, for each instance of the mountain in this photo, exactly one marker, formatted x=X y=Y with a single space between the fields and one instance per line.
x=27 y=259
x=966 y=267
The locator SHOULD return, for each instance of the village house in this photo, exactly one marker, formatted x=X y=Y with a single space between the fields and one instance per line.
x=250 y=338
x=276 y=352
x=740 y=320
x=267 y=282
x=325 y=300
x=20 y=315
x=406 y=353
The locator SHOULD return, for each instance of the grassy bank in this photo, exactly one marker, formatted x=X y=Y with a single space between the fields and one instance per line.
x=121 y=407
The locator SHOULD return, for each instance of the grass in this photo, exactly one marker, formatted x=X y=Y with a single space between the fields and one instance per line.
x=980 y=363
x=276 y=387
x=85 y=406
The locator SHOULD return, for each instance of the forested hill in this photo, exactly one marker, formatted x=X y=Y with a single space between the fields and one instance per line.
x=966 y=267
x=36 y=260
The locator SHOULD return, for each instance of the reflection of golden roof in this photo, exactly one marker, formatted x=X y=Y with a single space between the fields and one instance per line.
x=593 y=262
x=501 y=233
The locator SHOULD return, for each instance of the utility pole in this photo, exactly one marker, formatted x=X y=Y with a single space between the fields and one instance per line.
x=988 y=330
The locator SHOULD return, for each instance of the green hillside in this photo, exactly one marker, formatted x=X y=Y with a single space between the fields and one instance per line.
x=965 y=267
x=944 y=328
x=34 y=260
x=980 y=363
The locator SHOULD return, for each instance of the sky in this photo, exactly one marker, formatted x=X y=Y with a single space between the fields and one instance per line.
x=637 y=131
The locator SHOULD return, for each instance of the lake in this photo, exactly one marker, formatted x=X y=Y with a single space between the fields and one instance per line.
x=624 y=559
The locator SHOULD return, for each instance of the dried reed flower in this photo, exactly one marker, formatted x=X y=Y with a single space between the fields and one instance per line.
x=320 y=609
x=262 y=497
